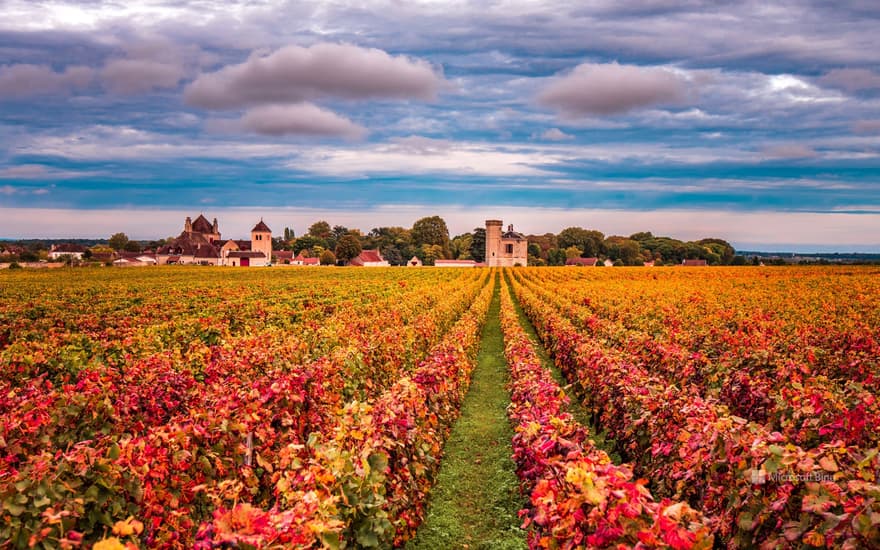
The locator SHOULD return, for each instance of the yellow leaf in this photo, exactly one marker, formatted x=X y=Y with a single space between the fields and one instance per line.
x=108 y=544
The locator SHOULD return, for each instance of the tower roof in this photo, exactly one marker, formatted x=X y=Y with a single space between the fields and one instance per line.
x=261 y=228
x=202 y=225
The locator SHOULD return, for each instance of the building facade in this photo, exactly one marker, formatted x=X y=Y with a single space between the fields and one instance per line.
x=505 y=248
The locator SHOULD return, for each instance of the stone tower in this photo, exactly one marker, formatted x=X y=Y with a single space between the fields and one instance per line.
x=493 y=242
x=505 y=249
x=261 y=240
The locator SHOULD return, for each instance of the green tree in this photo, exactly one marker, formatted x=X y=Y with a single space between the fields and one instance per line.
x=478 y=244
x=348 y=247
x=132 y=246
x=431 y=230
x=308 y=242
x=118 y=241
x=556 y=256
x=320 y=229
x=327 y=258
x=460 y=246
x=628 y=251
x=289 y=235
x=431 y=252
x=590 y=242
x=572 y=252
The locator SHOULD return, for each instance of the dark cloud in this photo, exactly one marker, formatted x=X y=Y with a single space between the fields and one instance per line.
x=295 y=73
x=299 y=119
x=25 y=80
x=133 y=76
x=608 y=89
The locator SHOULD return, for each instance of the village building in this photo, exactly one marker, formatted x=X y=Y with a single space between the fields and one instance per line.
x=608 y=262
x=282 y=256
x=369 y=258
x=505 y=249
x=583 y=262
x=457 y=263
x=59 y=251
x=200 y=243
x=414 y=262
x=301 y=259
x=694 y=263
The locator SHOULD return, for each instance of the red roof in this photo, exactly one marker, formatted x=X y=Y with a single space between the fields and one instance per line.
x=455 y=262
x=283 y=254
x=694 y=263
x=261 y=228
x=368 y=256
x=310 y=261
x=68 y=247
x=582 y=261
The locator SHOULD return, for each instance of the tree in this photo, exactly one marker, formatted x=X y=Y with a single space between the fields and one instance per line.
x=348 y=247
x=431 y=231
x=320 y=229
x=460 y=246
x=289 y=234
x=393 y=255
x=327 y=258
x=556 y=256
x=308 y=242
x=431 y=252
x=340 y=231
x=132 y=246
x=118 y=241
x=572 y=252
x=590 y=242
x=478 y=244
x=626 y=250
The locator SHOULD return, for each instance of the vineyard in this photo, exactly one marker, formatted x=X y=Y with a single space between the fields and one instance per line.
x=310 y=408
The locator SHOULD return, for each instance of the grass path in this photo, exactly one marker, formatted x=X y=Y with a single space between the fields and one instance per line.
x=475 y=502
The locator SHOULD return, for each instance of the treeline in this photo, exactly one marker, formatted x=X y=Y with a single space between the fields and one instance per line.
x=428 y=239
x=638 y=248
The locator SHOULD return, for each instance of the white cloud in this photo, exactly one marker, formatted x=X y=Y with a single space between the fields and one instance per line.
x=419 y=155
x=303 y=119
x=610 y=88
x=555 y=134
x=294 y=74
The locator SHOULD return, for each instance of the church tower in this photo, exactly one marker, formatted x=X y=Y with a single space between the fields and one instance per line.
x=261 y=240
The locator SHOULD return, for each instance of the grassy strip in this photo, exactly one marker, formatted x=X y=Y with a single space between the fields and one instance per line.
x=475 y=502
x=600 y=439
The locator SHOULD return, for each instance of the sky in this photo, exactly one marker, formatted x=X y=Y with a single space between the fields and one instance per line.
x=757 y=122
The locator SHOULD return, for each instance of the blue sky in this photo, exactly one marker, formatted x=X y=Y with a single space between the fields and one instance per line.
x=752 y=121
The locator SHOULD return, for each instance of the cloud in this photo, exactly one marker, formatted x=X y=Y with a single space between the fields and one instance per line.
x=789 y=151
x=299 y=119
x=852 y=80
x=555 y=134
x=866 y=127
x=610 y=88
x=38 y=172
x=25 y=80
x=420 y=155
x=294 y=74
x=134 y=76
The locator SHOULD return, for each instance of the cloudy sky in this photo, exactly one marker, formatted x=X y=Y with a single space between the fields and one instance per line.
x=753 y=122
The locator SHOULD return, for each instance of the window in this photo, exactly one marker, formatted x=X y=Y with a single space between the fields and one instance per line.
x=508 y=248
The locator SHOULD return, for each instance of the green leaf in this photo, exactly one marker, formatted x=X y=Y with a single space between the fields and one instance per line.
x=330 y=539
x=378 y=462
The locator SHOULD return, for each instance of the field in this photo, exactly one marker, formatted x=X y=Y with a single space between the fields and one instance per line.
x=310 y=408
